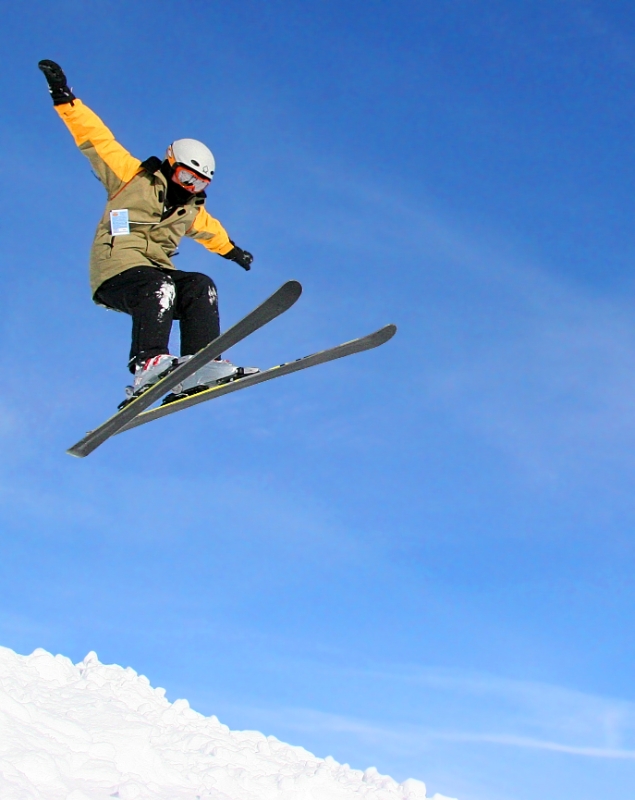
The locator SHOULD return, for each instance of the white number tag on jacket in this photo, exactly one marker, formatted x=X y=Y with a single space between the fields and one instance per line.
x=119 y=222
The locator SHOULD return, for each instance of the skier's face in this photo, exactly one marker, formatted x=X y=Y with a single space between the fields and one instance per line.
x=189 y=180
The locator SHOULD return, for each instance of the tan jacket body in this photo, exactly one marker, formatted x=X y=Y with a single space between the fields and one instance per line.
x=133 y=185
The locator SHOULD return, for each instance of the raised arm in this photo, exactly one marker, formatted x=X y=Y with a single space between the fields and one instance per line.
x=112 y=163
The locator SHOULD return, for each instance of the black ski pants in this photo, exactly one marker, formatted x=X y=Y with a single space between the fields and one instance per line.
x=154 y=298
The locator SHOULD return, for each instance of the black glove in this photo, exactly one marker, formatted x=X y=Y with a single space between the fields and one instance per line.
x=240 y=256
x=58 y=87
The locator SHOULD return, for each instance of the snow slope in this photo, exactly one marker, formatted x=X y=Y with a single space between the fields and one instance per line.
x=91 y=731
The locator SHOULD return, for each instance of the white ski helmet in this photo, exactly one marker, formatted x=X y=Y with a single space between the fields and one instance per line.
x=192 y=154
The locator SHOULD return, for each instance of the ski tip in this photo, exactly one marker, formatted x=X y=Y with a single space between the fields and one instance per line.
x=82 y=448
x=388 y=331
x=72 y=452
x=292 y=287
x=284 y=297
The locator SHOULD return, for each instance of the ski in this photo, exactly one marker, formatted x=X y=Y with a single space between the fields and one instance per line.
x=347 y=349
x=275 y=305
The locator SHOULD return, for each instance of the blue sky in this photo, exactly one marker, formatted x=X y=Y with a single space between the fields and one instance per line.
x=419 y=558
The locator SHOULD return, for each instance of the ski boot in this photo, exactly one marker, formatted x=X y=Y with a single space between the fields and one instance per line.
x=147 y=374
x=214 y=373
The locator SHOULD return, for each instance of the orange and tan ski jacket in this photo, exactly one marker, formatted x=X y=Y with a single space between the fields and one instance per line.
x=141 y=188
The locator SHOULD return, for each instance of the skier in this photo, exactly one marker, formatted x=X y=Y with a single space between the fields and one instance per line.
x=151 y=205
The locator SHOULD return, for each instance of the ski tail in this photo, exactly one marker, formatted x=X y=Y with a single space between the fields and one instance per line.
x=279 y=302
x=368 y=342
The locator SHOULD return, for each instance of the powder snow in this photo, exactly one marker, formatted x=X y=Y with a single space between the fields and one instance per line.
x=92 y=731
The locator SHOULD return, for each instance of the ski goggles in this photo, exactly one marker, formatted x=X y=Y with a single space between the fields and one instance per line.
x=189 y=180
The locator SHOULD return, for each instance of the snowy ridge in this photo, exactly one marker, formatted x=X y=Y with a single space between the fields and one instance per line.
x=93 y=731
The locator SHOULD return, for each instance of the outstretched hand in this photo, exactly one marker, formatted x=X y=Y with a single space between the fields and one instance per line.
x=56 y=79
x=53 y=73
x=242 y=257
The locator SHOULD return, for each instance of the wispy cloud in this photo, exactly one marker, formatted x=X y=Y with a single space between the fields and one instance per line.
x=535 y=364
x=537 y=744
x=477 y=709
x=409 y=738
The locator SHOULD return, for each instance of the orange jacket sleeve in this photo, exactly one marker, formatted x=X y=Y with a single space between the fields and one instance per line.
x=210 y=233
x=112 y=163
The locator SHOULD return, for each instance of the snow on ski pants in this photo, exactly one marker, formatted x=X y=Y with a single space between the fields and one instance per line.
x=154 y=298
